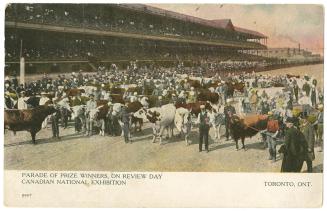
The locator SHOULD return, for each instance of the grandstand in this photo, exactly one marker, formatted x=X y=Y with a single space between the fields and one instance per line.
x=65 y=37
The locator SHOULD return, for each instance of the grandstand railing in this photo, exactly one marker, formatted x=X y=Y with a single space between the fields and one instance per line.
x=138 y=35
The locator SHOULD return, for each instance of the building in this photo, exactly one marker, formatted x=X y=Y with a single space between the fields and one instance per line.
x=59 y=36
x=286 y=54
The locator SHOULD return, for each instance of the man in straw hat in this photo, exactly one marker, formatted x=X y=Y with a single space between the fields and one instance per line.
x=91 y=104
x=44 y=99
x=271 y=133
x=21 y=102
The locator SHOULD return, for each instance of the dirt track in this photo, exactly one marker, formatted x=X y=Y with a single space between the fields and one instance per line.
x=75 y=152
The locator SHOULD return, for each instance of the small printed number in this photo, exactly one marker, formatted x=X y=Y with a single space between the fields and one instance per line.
x=26 y=195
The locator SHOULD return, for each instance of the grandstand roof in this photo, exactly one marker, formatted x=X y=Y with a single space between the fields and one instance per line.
x=250 y=32
x=218 y=23
x=223 y=23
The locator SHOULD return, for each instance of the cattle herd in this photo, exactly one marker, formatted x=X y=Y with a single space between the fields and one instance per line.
x=167 y=99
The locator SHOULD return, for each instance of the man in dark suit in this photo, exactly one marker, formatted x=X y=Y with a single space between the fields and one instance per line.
x=294 y=149
x=309 y=134
x=229 y=111
x=204 y=126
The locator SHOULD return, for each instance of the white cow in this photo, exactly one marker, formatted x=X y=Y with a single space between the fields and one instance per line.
x=88 y=90
x=78 y=113
x=161 y=118
x=217 y=119
x=94 y=120
x=183 y=122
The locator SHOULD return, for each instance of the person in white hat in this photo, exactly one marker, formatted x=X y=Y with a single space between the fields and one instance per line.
x=134 y=97
x=191 y=96
x=204 y=126
x=21 y=102
x=229 y=111
x=44 y=99
x=159 y=102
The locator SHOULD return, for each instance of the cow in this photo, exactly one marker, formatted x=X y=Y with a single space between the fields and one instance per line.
x=192 y=83
x=194 y=108
x=208 y=96
x=27 y=119
x=98 y=116
x=78 y=115
x=234 y=86
x=87 y=89
x=183 y=122
x=217 y=119
x=117 y=98
x=247 y=126
x=292 y=76
x=74 y=92
x=161 y=118
x=132 y=108
x=137 y=89
x=64 y=110
x=117 y=91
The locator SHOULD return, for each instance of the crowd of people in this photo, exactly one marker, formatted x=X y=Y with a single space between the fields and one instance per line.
x=113 y=18
x=295 y=111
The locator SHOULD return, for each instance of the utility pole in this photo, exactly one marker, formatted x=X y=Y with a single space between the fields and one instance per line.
x=22 y=65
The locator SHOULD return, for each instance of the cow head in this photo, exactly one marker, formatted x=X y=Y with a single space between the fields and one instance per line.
x=93 y=114
x=77 y=111
x=141 y=114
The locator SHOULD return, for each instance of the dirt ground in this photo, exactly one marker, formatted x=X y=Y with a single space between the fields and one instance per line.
x=76 y=152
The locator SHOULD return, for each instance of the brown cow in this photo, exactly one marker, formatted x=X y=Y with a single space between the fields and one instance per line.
x=27 y=119
x=138 y=90
x=206 y=95
x=117 y=90
x=132 y=108
x=194 y=83
x=117 y=98
x=247 y=127
x=194 y=107
x=292 y=76
x=232 y=86
x=98 y=116
x=74 y=92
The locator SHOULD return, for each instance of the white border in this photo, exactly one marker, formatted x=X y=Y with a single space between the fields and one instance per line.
x=4 y=2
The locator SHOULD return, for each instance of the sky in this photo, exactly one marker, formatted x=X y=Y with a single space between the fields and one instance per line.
x=285 y=25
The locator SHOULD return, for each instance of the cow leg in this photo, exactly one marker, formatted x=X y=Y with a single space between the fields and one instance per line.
x=236 y=142
x=160 y=135
x=33 y=133
x=141 y=124
x=77 y=124
x=186 y=139
x=215 y=131
x=102 y=127
x=218 y=131
x=243 y=146
x=154 y=134
x=83 y=122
